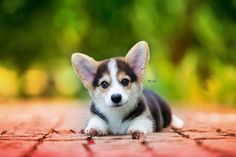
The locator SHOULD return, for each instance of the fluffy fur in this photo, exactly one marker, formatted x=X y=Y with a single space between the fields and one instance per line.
x=120 y=105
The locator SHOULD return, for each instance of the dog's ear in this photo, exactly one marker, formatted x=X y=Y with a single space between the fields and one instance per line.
x=138 y=57
x=85 y=67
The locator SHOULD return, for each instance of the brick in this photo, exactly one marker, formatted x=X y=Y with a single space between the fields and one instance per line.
x=223 y=147
x=119 y=148
x=74 y=117
x=14 y=148
x=60 y=149
x=184 y=148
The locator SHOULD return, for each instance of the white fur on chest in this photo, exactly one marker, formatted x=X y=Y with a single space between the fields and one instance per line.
x=115 y=118
x=118 y=127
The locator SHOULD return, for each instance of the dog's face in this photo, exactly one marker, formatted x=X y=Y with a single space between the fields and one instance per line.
x=114 y=82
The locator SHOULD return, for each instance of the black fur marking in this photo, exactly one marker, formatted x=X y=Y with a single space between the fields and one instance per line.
x=99 y=73
x=159 y=109
x=94 y=110
x=165 y=110
x=154 y=109
x=138 y=110
x=123 y=66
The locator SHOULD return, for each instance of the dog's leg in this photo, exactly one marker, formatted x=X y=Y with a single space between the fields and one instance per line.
x=96 y=127
x=140 y=126
x=176 y=122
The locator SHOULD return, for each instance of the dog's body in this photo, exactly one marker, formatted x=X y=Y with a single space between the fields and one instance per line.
x=152 y=112
x=120 y=104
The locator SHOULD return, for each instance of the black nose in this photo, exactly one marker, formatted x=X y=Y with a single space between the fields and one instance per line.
x=116 y=98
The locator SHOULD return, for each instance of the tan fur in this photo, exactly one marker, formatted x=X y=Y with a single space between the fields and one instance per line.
x=121 y=76
x=106 y=78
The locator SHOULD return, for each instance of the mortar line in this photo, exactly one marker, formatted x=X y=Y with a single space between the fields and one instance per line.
x=3 y=132
x=42 y=139
x=88 y=149
x=144 y=143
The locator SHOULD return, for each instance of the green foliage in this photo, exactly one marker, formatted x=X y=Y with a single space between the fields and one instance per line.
x=192 y=43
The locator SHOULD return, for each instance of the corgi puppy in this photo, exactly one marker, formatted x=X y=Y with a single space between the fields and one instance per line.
x=120 y=104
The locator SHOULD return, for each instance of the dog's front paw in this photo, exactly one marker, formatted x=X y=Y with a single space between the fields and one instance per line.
x=136 y=134
x=95 y=132
x=96 y=127
x=140 y=127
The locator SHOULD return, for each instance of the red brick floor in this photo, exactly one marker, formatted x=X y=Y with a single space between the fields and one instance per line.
x=53 y=130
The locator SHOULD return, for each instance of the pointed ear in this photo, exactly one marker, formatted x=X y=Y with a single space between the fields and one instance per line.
x=138 y=57
x=85 y=67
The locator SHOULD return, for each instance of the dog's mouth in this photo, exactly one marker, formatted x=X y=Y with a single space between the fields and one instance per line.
x=120 y=104
x=117 y=105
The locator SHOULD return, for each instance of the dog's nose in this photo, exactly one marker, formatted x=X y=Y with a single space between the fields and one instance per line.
x=116 y=98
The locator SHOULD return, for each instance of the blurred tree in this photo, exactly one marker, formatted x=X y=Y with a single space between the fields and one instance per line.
x=45 y=34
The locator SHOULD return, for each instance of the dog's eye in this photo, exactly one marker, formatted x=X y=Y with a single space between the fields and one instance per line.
x=104 y=84
x=125 y=82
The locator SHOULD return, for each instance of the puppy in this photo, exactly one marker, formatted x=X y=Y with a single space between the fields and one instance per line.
x=120 y=105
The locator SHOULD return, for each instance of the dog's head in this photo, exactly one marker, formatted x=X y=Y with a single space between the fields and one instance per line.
x=114 y=82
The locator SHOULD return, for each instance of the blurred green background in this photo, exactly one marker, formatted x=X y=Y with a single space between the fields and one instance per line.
x=192 y=44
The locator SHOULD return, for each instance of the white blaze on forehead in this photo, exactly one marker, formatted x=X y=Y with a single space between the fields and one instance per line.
x=112 y=67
